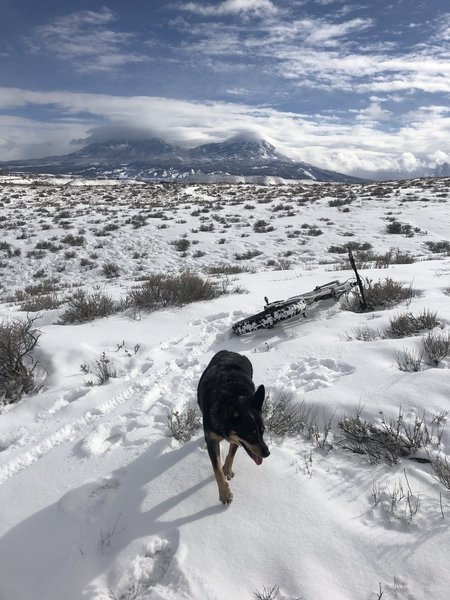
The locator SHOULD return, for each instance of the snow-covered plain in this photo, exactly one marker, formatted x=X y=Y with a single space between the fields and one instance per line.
x=99 y=502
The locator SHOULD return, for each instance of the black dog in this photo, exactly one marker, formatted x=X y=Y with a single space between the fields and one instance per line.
x=232 y=411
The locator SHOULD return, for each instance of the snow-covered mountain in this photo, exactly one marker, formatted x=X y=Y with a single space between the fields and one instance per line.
x=125 y=150
x=239 y=147
x=241 y=158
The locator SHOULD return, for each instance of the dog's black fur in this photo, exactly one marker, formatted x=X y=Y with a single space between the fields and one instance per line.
x=231 y=410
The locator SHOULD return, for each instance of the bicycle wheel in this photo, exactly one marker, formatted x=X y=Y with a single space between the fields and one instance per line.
x=269 y=317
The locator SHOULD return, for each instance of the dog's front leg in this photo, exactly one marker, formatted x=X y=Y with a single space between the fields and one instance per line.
x=225 y=494
x=228 y=466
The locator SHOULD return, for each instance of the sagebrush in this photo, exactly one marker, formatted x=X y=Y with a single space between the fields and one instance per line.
x=18 y=339
x=160 y=291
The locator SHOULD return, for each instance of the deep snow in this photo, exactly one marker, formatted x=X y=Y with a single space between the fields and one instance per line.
x=99 y=502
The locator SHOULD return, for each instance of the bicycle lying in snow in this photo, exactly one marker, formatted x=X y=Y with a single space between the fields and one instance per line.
x=281 y=310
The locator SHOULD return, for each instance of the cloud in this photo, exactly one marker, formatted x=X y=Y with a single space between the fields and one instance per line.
x=118 y=130
x=329 y=53
x=360 y=147
x=373 y=113
x=232 y=7
x=329 y=33
x=86 y=40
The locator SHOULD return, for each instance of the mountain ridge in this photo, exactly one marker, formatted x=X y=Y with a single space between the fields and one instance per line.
x=240 y=158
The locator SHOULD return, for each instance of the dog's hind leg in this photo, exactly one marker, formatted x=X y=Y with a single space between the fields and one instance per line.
x=225 y=494
x=228 y=466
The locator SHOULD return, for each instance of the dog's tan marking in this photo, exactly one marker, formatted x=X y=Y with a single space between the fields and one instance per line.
x=235 y=439
x=225 y=494
x=228 y=466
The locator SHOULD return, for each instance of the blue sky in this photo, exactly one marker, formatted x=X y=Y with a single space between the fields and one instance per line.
x=359 y=87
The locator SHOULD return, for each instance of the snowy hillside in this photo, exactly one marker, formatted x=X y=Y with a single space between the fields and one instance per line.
x=99 y=501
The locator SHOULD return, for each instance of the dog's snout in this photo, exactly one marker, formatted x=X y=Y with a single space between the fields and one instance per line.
x=265 y=452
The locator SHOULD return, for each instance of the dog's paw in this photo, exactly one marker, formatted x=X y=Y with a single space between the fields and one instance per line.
x=226 y=497
x=228 y=473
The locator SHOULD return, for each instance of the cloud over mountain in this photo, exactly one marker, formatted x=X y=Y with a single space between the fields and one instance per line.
x=348 y=86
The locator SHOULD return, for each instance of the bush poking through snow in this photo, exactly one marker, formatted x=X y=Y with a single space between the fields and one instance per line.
x=267 y=593
x=408 y=360
x=104 y=369
x=406 y=324
x=383 y=441
x=83 y=307
x=397 y=503
x=379 y=295
x=41 y=303
x=262 y=226
x=110 y=270
x=436 y=347
x=17 y=342
x=441 y=468
x=181 y=245
x=183 y=425
x=159 y=291
x=364 y=334
x=285 y=417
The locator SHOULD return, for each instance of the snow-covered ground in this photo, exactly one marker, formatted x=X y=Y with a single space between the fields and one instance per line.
x=99 y=502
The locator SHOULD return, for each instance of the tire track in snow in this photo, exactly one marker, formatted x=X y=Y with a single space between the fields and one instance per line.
x=67 y=433
x=155 y=394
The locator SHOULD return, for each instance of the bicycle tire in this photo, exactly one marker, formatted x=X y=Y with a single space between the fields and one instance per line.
x=269 y=317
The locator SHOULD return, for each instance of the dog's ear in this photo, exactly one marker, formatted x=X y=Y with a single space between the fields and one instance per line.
x=258 y=398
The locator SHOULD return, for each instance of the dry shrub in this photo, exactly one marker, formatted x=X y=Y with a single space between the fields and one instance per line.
x=379 y=295
x=436 y=347
x=406 y=324
x=441 y=468
x=17 y=342
x=83 y=307
x=284 y=416
x=159 y=291
x=384 y=441
x=408 y=360
x=184 y=424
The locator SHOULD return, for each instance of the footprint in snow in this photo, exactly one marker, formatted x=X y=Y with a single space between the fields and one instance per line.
x=101 y=439
x=185 y=362
x=151 y=567
x=216 y=317
x=90 y=498
x=106 y=437
x=63 y=401
x=147 y=365
x=310 y=373
x=75 y=394
x=173 y=342
x=13 y=439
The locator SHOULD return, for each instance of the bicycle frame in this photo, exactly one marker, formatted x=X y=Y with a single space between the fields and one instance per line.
x=281 y=310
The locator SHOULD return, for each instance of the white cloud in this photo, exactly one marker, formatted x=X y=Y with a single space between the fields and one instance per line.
x=324 y=32
x=320 y=53
x=230 y=7
x=409 y=162
x=373 y=112
x=439 y=158
x=86 y=40
x=361 y=148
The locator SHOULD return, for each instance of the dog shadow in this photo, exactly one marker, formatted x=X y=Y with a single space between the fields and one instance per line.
x=92 y=524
